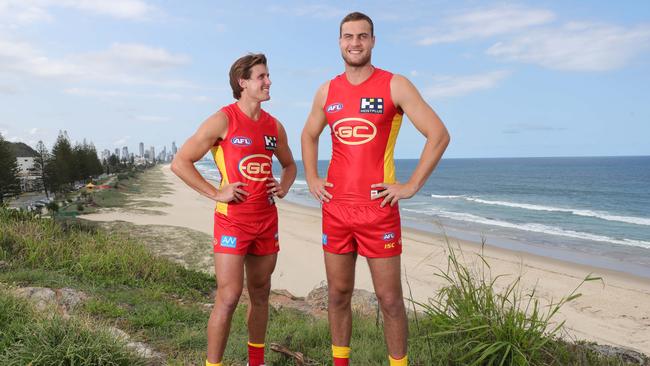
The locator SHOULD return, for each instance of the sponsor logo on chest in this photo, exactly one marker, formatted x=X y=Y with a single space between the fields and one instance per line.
x=270 y=142
x=372 y=105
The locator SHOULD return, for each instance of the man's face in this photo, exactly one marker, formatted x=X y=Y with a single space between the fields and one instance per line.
x=259 y=85
x=356 y=43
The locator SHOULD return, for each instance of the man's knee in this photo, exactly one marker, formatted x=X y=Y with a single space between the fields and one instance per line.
x=259 y=293
x=391 y=303
x=227 y=298
x=339 y=296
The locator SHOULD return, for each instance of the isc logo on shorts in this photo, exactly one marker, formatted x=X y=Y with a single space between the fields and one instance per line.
x=255 y=167
x=389 y=236
x=354 y=131
x=228 y=241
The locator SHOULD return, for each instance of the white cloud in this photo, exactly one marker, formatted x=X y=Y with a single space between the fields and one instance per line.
x=16 y=13
x=34 y=131
x=135 y=56
x=576 y=46
x=22 y=57
x=454 y=86
x=121 y=63
x=122 y=141
x=483 y=23
x=121 y=9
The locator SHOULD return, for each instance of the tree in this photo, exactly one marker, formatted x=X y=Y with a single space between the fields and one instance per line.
x=41 y=161
x=62 y=167
x=9 y=181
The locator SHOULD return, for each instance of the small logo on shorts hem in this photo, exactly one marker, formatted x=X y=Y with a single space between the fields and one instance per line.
x=324 y=239
x=389 y=236
x=228 y=241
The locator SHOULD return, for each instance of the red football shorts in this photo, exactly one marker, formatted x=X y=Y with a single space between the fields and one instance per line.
x=255 y=234
x=370 y=230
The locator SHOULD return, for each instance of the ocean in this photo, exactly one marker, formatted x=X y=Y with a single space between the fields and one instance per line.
x=588 y=210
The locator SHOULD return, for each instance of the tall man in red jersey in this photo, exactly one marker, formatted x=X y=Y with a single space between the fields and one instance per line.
x=242 y=138
x=364 y=108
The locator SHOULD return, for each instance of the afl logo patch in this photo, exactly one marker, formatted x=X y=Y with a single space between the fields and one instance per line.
x=241 y=141
x=334 y=107
x=354 y=131
x=255 y=167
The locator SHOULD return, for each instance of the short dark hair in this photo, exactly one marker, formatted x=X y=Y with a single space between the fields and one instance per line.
x=241 y=69
x=354 y=16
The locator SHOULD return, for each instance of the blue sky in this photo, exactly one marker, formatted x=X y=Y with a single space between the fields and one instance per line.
x=509 y=79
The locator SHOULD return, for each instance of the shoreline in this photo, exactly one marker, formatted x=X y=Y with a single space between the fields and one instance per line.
x=613 y=312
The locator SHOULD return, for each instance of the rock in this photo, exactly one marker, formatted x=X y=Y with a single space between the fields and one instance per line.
x=64 y=300
x=625 y=354
x=139 y=348
x=68 y=299
x=3 y=265
x=283 y=299
x=143 y=350
x=41 y=297
x=363 y=302
x=118 y=333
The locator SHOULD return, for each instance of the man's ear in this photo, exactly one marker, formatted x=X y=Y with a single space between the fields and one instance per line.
x=242 y=83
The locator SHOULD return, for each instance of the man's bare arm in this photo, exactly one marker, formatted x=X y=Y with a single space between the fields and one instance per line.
x=316 y=122
x=407 y=97
x=214 y=128
x=285 y=157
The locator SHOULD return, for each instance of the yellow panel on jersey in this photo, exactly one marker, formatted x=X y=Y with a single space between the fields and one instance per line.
x=389 y=161
x=217 y=154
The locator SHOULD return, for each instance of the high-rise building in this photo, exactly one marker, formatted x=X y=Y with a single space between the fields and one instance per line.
x=142 y=149
x=125 y=153
x=152 y=153
x=174 y=149
x=117 y=152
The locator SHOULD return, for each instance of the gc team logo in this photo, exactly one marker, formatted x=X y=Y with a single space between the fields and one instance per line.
x=255 y=167
x=334 y=107
x=354 y=131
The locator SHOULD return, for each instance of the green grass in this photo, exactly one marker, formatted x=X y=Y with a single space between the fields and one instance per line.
x=28 y=338
x=162 y=303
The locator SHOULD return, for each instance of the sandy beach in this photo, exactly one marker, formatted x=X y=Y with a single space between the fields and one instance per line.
x=615 y=311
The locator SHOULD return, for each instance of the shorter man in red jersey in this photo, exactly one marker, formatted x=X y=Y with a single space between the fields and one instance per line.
x=364 y=108
x=243 y=138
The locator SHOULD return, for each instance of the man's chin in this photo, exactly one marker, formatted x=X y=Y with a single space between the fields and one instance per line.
x=357 y=63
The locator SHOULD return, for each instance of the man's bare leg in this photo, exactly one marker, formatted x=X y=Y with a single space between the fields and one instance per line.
x=229 y=270
x=340 y=284
x=258 y=282
x=386 y=278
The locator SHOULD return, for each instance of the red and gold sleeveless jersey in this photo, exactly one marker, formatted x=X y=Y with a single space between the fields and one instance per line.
x=364 y=125
x=246 y=155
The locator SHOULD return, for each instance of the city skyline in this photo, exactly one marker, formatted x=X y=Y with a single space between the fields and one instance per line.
x=513 y=79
